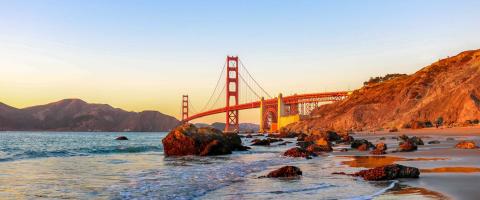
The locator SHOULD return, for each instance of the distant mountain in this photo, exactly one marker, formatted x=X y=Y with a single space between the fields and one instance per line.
x=221 y=126
x=446 y=92
x=77 y=115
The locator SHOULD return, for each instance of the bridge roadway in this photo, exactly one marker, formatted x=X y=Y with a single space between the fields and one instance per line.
x=293 y=99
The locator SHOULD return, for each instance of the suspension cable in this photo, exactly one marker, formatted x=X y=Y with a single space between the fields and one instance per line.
x=241 y=77
x=241 y=63
x=216 y=86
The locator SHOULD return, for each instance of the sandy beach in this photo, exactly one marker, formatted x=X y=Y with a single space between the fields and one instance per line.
x=446 y=172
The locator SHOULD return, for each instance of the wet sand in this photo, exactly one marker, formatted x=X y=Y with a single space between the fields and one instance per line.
x=446 y=172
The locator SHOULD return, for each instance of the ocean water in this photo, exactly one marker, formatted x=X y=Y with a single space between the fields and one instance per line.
x=81 y=165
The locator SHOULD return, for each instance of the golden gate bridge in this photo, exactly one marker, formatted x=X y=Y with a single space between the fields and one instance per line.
x=240 y=91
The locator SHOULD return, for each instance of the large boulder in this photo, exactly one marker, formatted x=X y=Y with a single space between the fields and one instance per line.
x=190 y=140
x=285 y=172
x=388 y=172
x=299 y=152
x=466 y=144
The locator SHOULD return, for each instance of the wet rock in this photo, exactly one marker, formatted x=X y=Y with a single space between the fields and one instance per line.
x=190 y=140
x=361 y=145
x=381 y=146
x=434 y=142
x=265 y=142
x=261 y=142
x=319 y=148
x=394 y=138
x=284 y=172
x=466 y=144
x=283 y=133
x=416 y=140
x=121 y=138
x=343 y=149
x=249 y=136
x=407 y=146
x=347 y=139
x=388 y=172
x=380 y=149
x=301 y=137
x=299 y=152
x=382 y=138
x=285 y=143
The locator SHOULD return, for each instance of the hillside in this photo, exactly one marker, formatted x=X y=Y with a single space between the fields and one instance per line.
x=221 y=126
x=77 y=115
x=447 y=92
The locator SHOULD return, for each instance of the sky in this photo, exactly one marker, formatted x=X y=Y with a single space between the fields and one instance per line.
x=143 y=55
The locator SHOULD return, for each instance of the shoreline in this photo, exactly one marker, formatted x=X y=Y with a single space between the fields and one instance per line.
x=445 y=171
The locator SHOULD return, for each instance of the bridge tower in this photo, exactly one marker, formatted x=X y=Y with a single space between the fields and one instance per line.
x=184 y=107
x=231 y=124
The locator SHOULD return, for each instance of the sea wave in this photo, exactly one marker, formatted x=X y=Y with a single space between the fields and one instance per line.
x=17 y=154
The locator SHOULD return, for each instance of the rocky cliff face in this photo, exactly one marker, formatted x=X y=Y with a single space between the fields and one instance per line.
x=77 y=115
x=447 y=91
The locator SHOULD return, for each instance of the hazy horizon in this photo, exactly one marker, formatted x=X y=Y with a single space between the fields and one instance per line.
x=144 y=55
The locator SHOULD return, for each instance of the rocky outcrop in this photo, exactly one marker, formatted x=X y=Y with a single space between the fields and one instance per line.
x=190 y=140
x=446 y=93
x=284 y=172
x=388 y=172
x=466 y=144
x=299 y=152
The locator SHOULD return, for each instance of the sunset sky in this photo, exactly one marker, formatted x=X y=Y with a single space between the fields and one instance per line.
x=143 y=55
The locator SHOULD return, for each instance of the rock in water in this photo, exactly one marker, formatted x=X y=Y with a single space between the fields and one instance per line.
x=388 y=172
x=407 y=146
x=434 y=142
x=299 y=152
x=190 y=140
x=121 y=138
x=286 y=171
x=380 y=149
x=466 y=144
x=361 y=145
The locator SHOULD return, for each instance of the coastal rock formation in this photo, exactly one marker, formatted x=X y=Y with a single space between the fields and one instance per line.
x=446 y=92
x=284 y=172
x=77 y=115
x=466 y=144
x=388 y=172
x=190 y=140
x=299 y=152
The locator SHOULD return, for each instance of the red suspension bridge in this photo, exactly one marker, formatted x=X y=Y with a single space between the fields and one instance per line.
x=235 y=95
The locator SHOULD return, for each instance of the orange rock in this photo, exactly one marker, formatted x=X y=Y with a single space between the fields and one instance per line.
x=466 y=144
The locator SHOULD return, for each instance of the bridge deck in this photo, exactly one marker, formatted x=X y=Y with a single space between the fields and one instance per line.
x=293 y=99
